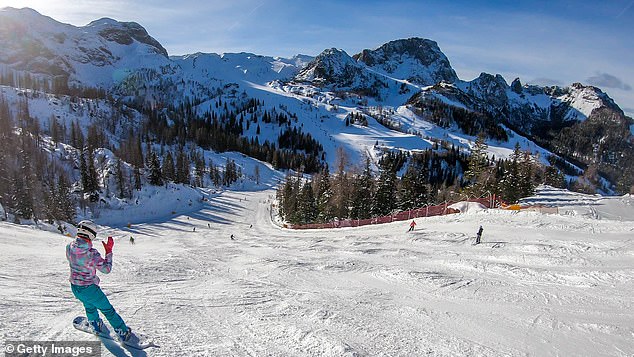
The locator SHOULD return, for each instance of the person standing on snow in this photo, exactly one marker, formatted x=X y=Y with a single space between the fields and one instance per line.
x=84 y=260
x=412 y=225
x=479 y=235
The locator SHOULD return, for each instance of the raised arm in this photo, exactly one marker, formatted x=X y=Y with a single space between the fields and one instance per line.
x=101 y=264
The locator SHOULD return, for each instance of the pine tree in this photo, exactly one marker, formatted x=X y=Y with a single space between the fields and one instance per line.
x=64 y=200
x=24 y=182
x=51 y=209
x=155 y=176
x=385 y=196
x=83 y=171
x=526 y=175
x=121 y=179
x=307 y=206
x=363 y=193
x=214 y=174
x=324 y=196
x=88 y=172
x=479 y=173
x=200 y=168
x=182 y=167
x=22 y=196
x=341 y=187
x=137 y=179
x=413 y=192
x=7 y=152
x=554 y=178
x=231 y=173
x=256 y=172
x=287 y=196
x=168 y=167
x=510 y=182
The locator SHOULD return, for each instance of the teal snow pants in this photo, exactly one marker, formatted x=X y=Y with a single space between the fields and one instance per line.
x=93 y=298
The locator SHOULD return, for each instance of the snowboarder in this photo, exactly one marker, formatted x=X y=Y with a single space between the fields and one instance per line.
x=232 y=237
x=131 y=240
x=411 y=226
x=84 y=260
x=478 y=235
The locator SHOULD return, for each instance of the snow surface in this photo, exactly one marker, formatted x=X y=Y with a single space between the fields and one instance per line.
x=468 y=207
x=538 y=285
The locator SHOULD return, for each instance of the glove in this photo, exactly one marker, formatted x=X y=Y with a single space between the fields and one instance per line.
x=108 y=246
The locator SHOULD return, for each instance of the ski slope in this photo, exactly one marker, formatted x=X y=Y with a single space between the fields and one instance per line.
x=539 y=285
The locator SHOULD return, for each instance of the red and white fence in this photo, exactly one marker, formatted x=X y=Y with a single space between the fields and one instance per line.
x=427 y=211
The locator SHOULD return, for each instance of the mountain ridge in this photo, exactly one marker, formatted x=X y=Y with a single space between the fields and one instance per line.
x=124 y=59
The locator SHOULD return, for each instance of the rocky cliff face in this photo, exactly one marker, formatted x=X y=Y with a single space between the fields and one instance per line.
x=415 y=61
x=125 y=33
x=419 y=61
x=333 y=67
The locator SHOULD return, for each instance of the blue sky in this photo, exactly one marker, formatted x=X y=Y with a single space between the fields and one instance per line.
x=544 y=42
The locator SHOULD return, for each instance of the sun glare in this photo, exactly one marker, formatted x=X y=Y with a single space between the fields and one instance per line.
x=52 y=8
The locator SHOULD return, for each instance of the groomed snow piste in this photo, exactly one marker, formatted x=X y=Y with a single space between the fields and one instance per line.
x=539 y=285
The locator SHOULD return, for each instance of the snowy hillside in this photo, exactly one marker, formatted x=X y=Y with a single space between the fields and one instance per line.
x=543 y=285
x=101 y=53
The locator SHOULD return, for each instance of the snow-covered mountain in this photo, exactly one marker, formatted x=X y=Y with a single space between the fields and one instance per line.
x=240 y=66
x=397 y=86
x=98 y=54
x=417 y=60
x=523 y=106
x=333 y=67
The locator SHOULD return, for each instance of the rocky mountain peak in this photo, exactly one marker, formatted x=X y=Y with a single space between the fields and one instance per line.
x=332 y=66
x=416 y=59
x=124 y=33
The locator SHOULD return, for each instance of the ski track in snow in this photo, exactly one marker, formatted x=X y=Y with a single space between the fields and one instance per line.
x=539 y=285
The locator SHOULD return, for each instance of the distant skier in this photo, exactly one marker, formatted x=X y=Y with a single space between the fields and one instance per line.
x=131 y=240
x=232 y=237
x=478 y=235
x=208 y=225
x=84 y=260
x=250 y=226
x=411 y=226
x=194 y=230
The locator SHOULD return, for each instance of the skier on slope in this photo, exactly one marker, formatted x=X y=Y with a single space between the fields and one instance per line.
x=479 y=235
x=412 y=225
x=84 y=260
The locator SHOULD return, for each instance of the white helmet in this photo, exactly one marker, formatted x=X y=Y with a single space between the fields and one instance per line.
x=87 y=229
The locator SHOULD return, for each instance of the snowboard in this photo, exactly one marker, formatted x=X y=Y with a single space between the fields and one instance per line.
x=137 y=340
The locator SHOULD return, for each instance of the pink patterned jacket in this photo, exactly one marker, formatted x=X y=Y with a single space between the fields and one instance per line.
x=84 y=260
